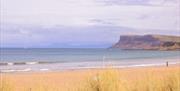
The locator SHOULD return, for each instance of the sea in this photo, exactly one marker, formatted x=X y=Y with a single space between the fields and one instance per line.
x=58 y=59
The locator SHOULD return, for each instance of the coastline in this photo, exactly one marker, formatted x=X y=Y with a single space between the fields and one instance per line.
x=45 y=67
x=176 y=65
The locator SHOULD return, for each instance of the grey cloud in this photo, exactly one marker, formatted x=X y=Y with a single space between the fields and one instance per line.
x=60 y=36
x=144 y=17
x=98 y=35
x=102 y=22
x=136 y=2
x=124 y=2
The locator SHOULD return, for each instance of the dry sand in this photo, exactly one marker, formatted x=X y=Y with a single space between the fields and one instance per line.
x=64 y=80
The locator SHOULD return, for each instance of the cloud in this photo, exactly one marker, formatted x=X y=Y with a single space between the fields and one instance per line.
x=139 y=2
x=84 y=22
x=124 y=2
x=81 y=13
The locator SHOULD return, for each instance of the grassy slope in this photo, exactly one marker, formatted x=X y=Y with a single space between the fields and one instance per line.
x=167 y=38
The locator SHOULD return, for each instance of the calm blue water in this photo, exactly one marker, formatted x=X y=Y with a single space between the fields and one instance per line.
x=43 y=59
x=73 y=55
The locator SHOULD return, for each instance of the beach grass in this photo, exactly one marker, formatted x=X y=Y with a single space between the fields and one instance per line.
x=113 y=80
x=6 y=85
x=136 y=79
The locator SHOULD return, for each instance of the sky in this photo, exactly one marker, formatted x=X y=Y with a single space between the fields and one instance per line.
x=83 y=23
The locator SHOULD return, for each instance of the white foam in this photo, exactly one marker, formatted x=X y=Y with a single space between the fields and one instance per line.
x=30 y=63
x=24 y=70
x=43 y=69
x=144 y=65
x=127 y=66
x=73 y=67
x=6 y=71
x=12 y=70
x=10 y=63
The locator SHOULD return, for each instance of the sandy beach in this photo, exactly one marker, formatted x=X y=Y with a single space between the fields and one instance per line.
x=90 y=45
x=70 y=80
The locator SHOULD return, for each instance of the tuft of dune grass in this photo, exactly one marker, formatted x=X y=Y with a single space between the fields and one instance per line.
x=112 y=80
x=6 y=85
x=107 y=80
x=154 y=82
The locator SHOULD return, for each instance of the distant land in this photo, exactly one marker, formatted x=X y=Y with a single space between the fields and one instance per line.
x=148 y=42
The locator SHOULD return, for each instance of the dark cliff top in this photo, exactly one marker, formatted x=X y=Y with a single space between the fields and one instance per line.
x=164 y=38
x=148 y=42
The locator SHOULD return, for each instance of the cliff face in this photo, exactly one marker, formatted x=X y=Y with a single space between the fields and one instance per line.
x=148 y=42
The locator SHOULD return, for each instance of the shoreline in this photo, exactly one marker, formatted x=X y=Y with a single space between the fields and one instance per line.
x=47 y=67
x=141 y=66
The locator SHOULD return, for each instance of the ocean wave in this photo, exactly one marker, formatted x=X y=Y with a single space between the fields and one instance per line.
x=23 y=63
x=31 y=63
x=77 y=66
x=15 y=70
x=44 y=69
